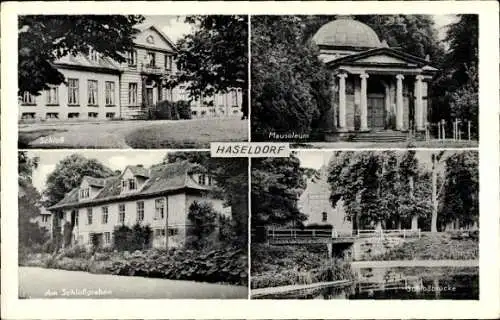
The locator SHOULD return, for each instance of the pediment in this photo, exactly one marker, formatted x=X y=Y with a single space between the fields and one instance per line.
x=154 y=38
x=382 y=58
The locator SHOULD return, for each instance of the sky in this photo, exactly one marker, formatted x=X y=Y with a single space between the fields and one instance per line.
x=115 y=160
x=316 y=159
x=173 y=26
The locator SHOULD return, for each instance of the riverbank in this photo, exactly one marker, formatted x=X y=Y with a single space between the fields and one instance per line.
x=36 y=283
x=434 y=246
x=276 y=266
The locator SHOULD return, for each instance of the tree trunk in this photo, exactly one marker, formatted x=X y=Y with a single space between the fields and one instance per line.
x=414 y=218
x=434 y=196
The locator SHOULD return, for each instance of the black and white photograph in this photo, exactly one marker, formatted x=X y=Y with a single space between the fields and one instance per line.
x=113 y=81
x=144 y=225
x=366 y=225
x=365 y=81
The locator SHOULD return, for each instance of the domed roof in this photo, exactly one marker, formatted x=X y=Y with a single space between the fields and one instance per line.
x=346 y=32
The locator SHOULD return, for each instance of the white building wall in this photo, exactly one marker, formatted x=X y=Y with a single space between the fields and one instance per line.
x=40 y=109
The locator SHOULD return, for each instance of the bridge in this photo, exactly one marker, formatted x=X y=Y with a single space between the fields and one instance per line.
x=339 y=243
x=310 y=236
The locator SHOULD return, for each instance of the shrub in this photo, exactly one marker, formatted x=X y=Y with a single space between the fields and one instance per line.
x=203 y=219
x=183 y=109
x=76 y=252
x=164 y=110
x=130 y=239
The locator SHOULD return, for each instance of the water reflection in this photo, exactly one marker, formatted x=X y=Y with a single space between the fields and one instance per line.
x=401 y=283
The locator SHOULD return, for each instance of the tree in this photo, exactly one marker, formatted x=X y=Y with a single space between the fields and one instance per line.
x=214 y=57
x=28 y=204
x=45 y=38
x=290 y=85
x=379 y=187
x=460 y=201
x=203 y=223
x=277 y=184
x=68 y=175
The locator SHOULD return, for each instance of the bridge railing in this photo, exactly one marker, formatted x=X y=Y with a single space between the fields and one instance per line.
x=405 y=233
x=305 y=233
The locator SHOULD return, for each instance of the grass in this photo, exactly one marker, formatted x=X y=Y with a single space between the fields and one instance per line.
x=25 y=137
x=434 y=247
x=193 y=134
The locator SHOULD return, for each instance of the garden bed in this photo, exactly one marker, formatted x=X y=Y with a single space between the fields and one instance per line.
x=227 y=265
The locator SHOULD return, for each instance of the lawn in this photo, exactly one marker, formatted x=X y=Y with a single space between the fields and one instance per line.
x=194 y=134
x=414 y=144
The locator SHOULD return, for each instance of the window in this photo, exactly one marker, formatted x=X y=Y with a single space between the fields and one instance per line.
x=140 y=210
x=93 y=55
x=210 y=180
x=151 y=56
x=124 y=184
x=93 y=115
x=132 y=58
x=73 y=115
x=52 y=115
x=107 y=237
x=131 y=184
x=84 y=193
x=91 y=235
x=234 y=98
x=45 y=219
x=28 y=98
x=202 y=179
x=159 y=232
x=324 y=217
x=121 y=213
x=168 y=62
x=53 y=96
x=92 y=93
x=159 y=208
x=105 y=215
x=77 y=218
x=132 y=94
x=194 y=112
x=28 y=115
x=110 y=93
x=110 y=115
x=73 y=92
x=89 y=216
x=173 y=232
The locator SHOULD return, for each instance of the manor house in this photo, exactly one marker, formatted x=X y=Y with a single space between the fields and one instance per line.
x=98 y=87
x=377 y=88
x=159 y=197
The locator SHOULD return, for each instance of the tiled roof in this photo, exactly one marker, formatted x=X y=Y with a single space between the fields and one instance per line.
x=162 y=178
x=82 y=60
x=96 y=182
x=139 y=171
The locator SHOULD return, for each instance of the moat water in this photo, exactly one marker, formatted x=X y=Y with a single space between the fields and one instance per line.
x=401 y=283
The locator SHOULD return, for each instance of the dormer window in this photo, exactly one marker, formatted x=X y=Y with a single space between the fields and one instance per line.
x=93 y=55
x=84 y=193
x=202 y=179
x=131 y=184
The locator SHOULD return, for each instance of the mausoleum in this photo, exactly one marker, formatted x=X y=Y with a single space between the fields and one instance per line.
x=376 y=88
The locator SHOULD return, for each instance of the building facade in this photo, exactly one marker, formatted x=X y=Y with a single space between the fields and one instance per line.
x=315 y=203
x=98 y=88
x=376 y=88
x=159 y=197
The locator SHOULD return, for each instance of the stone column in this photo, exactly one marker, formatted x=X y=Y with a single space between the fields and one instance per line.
x=419 y=104
x=364 y=103
x=342 y=102
x=399 y=102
